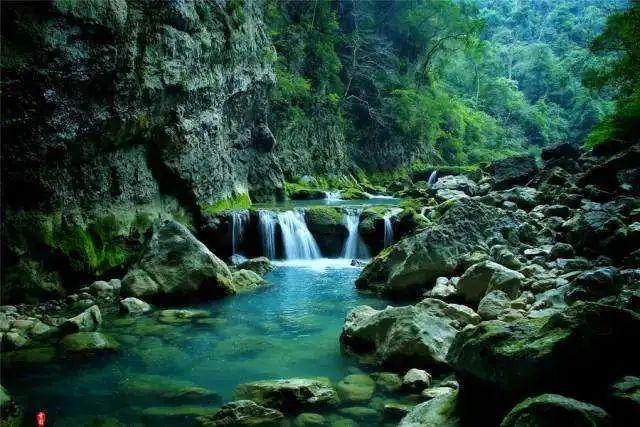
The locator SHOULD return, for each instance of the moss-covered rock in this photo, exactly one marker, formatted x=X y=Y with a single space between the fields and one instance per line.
x=28 y=358
x=247 y=280
x=353 y=193
x=178 y=266
x=303 y=192
x=88 y=343
x=153 y=387
x=290 y=394
x=513 y=360
x=244 y=413
x=327 y=226
x=555 y=410
x=441 y=411
x=356 y=388
x=412 y=265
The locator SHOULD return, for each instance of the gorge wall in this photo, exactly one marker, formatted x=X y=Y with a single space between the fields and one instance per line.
x=122 y=111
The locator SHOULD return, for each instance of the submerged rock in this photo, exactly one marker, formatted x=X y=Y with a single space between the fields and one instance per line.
x=164 y=388
x=412 y=265
x=244 y=413
x=355 y=388
x=88 y=343
x=290 y=394
x=554 y=410
x=404 y=337
x=247 y=280
x=507 y=361
x=176 y=265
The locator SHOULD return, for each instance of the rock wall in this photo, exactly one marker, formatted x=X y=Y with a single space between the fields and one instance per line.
x=121 y=113
x=123 y=100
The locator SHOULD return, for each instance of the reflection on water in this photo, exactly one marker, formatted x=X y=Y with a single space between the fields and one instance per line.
x=289 y=329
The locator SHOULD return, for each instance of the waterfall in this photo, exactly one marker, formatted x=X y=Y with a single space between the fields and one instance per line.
x=332 y=195
x=388 y=227
x=268 y=222
x=238 y=221
x=432 y=178
x=353 y=247
x=388 y=230
x=296 y=238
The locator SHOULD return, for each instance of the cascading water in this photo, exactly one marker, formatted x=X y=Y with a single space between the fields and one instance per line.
x=432 y=178
x=238 y=220
x=268 y=221
x=388 y=227
x=297 y=240
x=353 y=247
x=332 y=195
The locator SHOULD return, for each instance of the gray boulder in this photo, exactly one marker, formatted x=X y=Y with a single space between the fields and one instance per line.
x=552 y=410
x=416 y=379
x=493 y=305
x=133 y=305
x=88 y=343
x=176 y=265
x=412 y=265
x=88 y=320
x=488 y=276
x=406 y=337
x=243 y=413
x=460 y=183
x=290 y=394
x=507 y=361
x=593 y=285
x=516 y=170
x=260 y=265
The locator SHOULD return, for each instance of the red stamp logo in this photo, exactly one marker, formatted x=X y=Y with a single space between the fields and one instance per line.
x=41 y=417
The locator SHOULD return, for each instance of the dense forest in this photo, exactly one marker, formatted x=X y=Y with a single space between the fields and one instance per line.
x=384 y=84
x=338 y=213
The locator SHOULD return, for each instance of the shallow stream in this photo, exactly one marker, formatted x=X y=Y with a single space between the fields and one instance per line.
x=288 y=329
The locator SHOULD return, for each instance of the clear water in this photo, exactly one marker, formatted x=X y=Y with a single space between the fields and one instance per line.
x=289 y=329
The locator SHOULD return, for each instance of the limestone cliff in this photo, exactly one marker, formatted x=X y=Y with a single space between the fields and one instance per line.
x=117 y=108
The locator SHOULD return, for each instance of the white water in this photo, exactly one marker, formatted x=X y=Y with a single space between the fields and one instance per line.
x=332 y=195
x=297 y=240
x=317 y=264
x=380 y=196
x=432 y=178
x=238 y=220
x=353 y=247
x=268 y=223
x=388 y=227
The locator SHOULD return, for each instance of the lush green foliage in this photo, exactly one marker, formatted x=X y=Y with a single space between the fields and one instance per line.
x=621 y=74
x=438 y=81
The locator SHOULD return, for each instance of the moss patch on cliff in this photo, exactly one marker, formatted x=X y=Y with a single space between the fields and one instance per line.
x=238 y=201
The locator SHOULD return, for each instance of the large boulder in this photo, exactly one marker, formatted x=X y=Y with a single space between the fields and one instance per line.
x=88 y=320
x=488 y=276
x=460 y=183
x=412 y=265
x=516 y=170
x=290 y=394
x=625 y=399
x=509 y=361
x=244 y=413
x=175 y=265
x=552 y=410
x=327 y=225
x=406 y=337
x=260 y=265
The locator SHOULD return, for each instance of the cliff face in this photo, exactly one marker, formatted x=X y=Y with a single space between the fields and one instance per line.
x=117 y=113
x=123 y=100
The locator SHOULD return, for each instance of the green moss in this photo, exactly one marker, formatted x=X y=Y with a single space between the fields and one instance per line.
x=411 y=203
x=353 y=194
x=238 y=201
x=324 y=215
x=296 y=191
x=441 y=209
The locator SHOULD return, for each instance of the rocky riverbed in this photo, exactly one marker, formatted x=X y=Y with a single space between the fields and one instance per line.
x=514 y=298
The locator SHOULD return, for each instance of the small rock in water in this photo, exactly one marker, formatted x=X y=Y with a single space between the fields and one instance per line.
x=85 y=343
x=133 y=305
x=355 y=388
